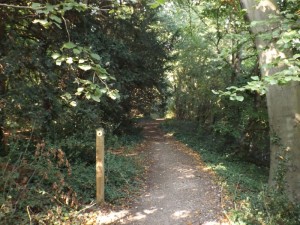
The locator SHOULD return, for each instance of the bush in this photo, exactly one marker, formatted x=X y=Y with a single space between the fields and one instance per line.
x=33 y=183
x=121 y=173
x=41 y=185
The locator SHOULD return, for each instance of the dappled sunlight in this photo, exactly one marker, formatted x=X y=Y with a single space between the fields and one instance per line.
x=220 y=167
x=111 y=217
x=213 y=223
x=157 y=197
x=265 y=6
x=178 y=191
x=180 y=214
x=206 y=168
x=142 y=215
x=150 y=211
x=186 y=173
x=161 y=197
x=297 y=117
x=190 y=176
x=137 y=216
x=169 y=134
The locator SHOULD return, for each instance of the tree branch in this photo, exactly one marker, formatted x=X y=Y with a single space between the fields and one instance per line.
x=20 y=6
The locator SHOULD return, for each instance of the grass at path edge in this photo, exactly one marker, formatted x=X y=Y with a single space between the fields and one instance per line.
x=245 y=183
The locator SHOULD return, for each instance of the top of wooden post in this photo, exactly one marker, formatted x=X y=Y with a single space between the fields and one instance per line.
x=100 y=132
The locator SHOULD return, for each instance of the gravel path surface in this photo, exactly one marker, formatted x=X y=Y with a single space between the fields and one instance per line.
x=180 y=190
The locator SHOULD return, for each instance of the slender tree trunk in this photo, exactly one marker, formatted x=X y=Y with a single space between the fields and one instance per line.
x=3 y=150
x=3 y=88
x=283 y=104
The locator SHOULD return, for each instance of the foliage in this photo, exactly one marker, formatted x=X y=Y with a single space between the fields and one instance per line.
x=286 y=42
x=34 y=183
x=215 y=50
x=67 y=68
x=253 y=202
x=67 y=52
x=35 y=186
x=121 y=173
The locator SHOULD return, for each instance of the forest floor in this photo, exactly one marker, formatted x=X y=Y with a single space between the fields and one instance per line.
x=179 y=188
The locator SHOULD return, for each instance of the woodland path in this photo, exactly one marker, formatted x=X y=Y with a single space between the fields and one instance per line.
x=179 y=188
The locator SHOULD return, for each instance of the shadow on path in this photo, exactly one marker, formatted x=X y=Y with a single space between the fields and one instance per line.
x=180 y=190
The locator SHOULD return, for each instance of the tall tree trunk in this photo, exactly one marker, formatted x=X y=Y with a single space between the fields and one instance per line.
x=283 y=103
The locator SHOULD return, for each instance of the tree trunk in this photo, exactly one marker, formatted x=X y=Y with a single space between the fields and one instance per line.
x=283 y=104
x=3 y=149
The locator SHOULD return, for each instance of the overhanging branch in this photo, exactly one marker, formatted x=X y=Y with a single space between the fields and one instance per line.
x=20 y=6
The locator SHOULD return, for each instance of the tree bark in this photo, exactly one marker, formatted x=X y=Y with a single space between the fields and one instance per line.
x=283 y=104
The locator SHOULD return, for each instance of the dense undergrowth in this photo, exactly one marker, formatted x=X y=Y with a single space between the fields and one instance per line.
x=48 y=186
x=245 y=182
x=66 y=69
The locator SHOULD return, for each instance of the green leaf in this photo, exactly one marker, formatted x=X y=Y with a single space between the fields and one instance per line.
x=95 y=56
x=76 y=51
x=55 y=55
x=215 y=92
x=113 y=78
x=73 y=103
x=85 y=67
x=255 y=78
x=79 y=91
x=55 y=18
x=232 y=96
x=69 y=45
x=59 y=61
x=239 y=98
x=44 y=23
x=96 y=98
x=288 y=78
x=49 y=8
x=231 y=88
x=114 y=94
x=35 y=5
x=66 y=96
x=103 y=90
x=93 y=87
x=102 y=76
x=67 y=7
x=101 y=72
x=272 y=82
x=85 y=82
x=58 y=25
x=156 y=4
x=69 y=60
x=296 y=56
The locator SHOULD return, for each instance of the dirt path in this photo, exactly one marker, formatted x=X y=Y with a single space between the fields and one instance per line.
x=180 y=190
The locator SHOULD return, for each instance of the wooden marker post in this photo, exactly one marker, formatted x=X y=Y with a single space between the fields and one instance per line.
x=100 y=165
